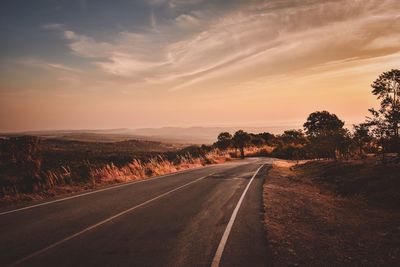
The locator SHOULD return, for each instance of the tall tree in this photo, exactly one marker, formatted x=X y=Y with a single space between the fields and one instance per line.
x=361 y=137
x=321 y=123
x=380 y=129
x=241 y=139
x=387 y=90
x=325 y=133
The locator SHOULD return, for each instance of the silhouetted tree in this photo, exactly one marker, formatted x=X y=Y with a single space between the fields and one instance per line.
x=361 y=137
x=257 y=140
x=387 y=90
x=295 y=137
x=241 y=139
x=268 y=138
x=325 y=133
x=344 y=143
x=380 y=129
x=224 y=141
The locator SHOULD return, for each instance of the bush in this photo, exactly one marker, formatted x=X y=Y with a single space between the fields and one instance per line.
x=290 y=151
x=20 y=164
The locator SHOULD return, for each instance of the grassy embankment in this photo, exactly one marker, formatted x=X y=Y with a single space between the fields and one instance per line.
x=32 y=169
x=335 y=213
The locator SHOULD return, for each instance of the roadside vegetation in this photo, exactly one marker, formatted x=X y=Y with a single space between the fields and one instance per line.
x=324 y=136
x=33 y=168
x=344 y=207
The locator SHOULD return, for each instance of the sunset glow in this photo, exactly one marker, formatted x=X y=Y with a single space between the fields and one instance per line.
x=98 y=64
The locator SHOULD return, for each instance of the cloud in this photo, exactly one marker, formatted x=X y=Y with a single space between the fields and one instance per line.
x=174 y=3
x=354 y=66
x=187 y=21
x=153 y=21
x=257 y=39
x=86 y=46
x=38 y=63
x=126 y=65
x=382 y=42
x=63 y=67
x=53 y=26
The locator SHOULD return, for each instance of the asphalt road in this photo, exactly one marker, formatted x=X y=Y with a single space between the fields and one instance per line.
x=202 y=217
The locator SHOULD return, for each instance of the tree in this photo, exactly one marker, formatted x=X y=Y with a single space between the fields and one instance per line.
x=295 y=137
x=380 y=129
x=268 y=138
x=387 y=90
x=257 y=140
x=241 y=139
x=224 y=141
x=321 y=123
x=344 y=143
x=325 y=133
x=361 y=137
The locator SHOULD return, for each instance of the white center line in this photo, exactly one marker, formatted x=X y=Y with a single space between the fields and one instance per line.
x=97 y=191
x=103 y=222
x=220 y=250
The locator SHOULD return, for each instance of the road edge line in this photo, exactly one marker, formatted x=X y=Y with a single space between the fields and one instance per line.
x=220 y=250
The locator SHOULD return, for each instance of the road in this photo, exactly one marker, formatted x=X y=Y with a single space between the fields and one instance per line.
x=210 y=216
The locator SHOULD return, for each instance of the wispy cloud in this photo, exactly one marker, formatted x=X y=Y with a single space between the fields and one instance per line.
x=63 y=67
x=387 y=41
x=53 y=26
x=38 y=63
x=174 y=3
x=276 y=36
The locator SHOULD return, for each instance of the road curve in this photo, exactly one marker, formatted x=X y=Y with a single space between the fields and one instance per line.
x=176 y=220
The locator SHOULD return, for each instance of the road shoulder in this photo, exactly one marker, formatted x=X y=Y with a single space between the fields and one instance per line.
x=247 y=245
x=309 y=225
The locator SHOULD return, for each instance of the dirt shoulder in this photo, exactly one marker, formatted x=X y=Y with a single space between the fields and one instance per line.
x=309 y=224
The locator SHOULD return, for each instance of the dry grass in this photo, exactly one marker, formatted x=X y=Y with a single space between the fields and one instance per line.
x=137 y=169
x=309 y=225
x=53 y=183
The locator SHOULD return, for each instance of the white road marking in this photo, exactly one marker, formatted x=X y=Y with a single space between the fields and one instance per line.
x=96 y=191
x=220 y=250
x=103 y=222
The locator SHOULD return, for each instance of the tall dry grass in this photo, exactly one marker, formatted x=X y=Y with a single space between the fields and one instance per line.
x=159 y=165
x=64 y=180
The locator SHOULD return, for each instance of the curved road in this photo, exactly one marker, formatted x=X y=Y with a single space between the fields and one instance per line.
x=210 y=216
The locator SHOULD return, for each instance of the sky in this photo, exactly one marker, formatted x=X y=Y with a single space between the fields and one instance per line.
x=93 y=64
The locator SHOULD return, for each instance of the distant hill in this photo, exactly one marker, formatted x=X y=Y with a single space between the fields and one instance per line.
x=175 y=135
x=200 y=135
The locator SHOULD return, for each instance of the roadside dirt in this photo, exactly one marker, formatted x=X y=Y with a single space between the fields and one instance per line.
x=309 y=225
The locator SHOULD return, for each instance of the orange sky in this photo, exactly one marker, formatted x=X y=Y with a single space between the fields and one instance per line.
x=256 y=63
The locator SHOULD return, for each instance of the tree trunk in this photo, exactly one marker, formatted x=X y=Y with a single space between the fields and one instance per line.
x=242 y=152
x=383 y=154
x=395 y=114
